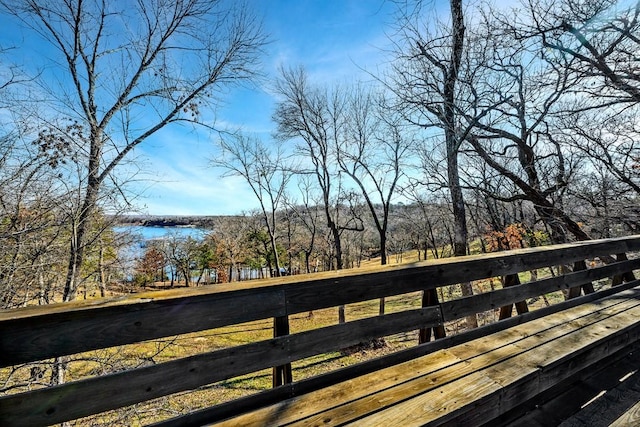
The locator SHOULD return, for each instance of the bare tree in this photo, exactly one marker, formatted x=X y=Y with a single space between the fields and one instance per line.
x=267 y=171
x=608 y=138
x=31 y=221
x=32 y=228
x=605 y=204
x=426 y=79
x=516 y=136
x=596 y=44
x=127 y=75
x=373 y=153
x=317 y=117
x=231 y=233
x=308 y=213
x=599 y=37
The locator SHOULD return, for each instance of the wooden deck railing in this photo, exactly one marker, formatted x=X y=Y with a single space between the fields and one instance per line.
x=39 y=333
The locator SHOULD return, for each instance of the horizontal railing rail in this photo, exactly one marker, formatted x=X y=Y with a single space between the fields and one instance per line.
x=38 y=333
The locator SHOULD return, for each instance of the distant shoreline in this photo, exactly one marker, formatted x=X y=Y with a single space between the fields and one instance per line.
x=169 y=220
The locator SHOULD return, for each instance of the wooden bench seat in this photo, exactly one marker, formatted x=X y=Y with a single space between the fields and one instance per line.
x=470 y=383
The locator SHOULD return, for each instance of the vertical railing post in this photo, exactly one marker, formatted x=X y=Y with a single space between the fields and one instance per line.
x=618 y=279
x=281 y=374
x=429 y=299
x=586 y=288
x=521 y=306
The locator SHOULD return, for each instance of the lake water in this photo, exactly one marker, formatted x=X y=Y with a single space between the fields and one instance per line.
x=153 y=233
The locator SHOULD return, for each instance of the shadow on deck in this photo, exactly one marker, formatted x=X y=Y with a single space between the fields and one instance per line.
x=608 y=396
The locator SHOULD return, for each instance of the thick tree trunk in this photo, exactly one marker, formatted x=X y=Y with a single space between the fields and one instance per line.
x=383 y=261
x=77 y=244
x=187 y=276
x=75 y=261
x=460 y=231
x=453 y=144
x=383 y=247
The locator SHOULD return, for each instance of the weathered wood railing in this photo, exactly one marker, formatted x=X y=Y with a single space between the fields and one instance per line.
x=39 y=333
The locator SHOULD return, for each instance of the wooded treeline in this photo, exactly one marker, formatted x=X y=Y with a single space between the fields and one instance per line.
x=238 y=247
x=479 y=118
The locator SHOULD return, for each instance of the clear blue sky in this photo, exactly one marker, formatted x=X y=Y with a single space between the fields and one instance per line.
x=333 y=39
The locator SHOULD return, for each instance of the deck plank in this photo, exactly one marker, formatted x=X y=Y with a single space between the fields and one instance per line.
x=404 y=389
x=413 y=370
x=617 y=399
x=525 y=371
x=312 y=403
x=629 y=418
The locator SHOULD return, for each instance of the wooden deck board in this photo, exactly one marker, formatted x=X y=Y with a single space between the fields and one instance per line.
x=420 y=390
x=524 y=372
x=345 y=392
x=565 y=399
x=616 y=401
x=629 y=418
x=409 y=372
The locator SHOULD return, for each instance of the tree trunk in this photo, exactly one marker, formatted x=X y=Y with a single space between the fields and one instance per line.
x=187 y=276
x=76 y=247
x=383 y=247
x=200 y=275
x=383 y=261
x=103 y=276
x=75 y=261
x=453 y=144
x=337 y=245
x=276 y=258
